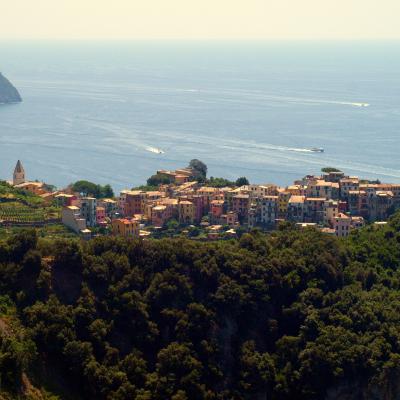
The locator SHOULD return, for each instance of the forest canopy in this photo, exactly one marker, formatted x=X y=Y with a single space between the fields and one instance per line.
x=92 y=189
x=289 y=315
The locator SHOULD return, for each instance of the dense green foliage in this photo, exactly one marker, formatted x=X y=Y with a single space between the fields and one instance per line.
x=146 y=188
x=218 y=182
x=159 y=179
x=242 y=181
x=199 y=168
x=330 y=169
x=282 y=316
x=222 y=182
x=92 y=189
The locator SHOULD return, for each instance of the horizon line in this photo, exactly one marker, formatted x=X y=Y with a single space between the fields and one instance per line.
x=211 y=39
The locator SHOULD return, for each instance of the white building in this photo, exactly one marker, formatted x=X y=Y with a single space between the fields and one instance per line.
x=71 y=217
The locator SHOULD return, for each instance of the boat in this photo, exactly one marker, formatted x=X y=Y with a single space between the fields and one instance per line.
x=155 y=150
x=317 y=150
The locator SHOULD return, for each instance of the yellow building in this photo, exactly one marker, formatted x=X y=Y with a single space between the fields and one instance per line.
x=187 y=212
x=125 y=227
x=283 y=201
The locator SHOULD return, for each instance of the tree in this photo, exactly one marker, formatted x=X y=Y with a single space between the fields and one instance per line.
x=199 y=168
x=172 y=224
x=195 y=231
x=159 y=179
x=106 y=191
x=327 y=170
x=219 y=182
x=178 y=374
x=242 y=181
x=49 y=188
x=257 y=372
x=92 y=189
x=290 y=314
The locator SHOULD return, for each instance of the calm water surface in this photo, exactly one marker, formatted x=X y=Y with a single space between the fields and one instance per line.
x=98 y=111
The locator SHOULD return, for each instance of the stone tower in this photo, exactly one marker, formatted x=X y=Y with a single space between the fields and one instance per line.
x=19 y=174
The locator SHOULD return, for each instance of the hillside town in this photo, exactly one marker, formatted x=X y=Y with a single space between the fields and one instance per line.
x=332 y=202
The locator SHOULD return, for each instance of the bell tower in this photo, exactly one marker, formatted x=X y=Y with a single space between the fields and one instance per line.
x=19 y=174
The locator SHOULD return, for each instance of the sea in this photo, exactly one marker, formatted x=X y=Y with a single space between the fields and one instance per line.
x=116 y=111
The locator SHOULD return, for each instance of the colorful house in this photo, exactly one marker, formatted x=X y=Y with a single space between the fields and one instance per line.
x=64 y=199
x=342 y=225
x=110 y=206
x=88 y=207
x=269 y=206
x=241 y=205
x=125 y=227
x=296 y=208
x=33 y=187
x=100 y=216
x=216 y=209
x=71 y=217
x=186 y=212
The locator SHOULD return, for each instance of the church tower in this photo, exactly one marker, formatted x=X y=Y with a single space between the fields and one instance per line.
x=19 y=174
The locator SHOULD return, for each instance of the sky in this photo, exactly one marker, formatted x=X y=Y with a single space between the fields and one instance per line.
x=199 y=19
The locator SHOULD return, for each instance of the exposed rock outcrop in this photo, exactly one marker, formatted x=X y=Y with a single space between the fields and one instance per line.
x=8 y=93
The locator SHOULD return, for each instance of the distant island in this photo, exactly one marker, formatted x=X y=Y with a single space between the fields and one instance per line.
x=8 y=93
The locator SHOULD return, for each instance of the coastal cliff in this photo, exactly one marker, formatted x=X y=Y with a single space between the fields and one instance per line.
x=8 y=93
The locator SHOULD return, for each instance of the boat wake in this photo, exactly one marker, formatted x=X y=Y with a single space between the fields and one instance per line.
x=154 y=150
x=293 y=99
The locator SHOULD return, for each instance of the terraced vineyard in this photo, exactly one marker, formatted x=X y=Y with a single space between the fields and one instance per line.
x=20 y=214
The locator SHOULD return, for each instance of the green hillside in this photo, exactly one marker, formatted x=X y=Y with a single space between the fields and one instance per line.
x=290 y=315
x=20 y=208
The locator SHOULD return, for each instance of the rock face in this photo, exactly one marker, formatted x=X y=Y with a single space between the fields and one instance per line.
x=361 y=390
x=8 y=93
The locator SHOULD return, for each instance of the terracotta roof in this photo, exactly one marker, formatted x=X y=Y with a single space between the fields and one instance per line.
x=297 y=199
x=316 y=199
x=185 y=202
x=342 y=216
x=73 y=208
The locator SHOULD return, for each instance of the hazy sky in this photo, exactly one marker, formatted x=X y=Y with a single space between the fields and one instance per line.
x=199 y=19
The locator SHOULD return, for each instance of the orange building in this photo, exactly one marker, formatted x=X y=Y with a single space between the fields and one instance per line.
x=134 y=203
x=33 y=187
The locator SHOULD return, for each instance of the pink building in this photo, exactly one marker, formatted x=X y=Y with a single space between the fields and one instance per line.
x=231 y=219
x=241 y=205
x=217 y=208
x=198 y=202
x=162 y=213
x=342 y=225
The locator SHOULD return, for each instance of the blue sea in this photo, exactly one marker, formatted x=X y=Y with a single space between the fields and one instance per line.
x=102 y=110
